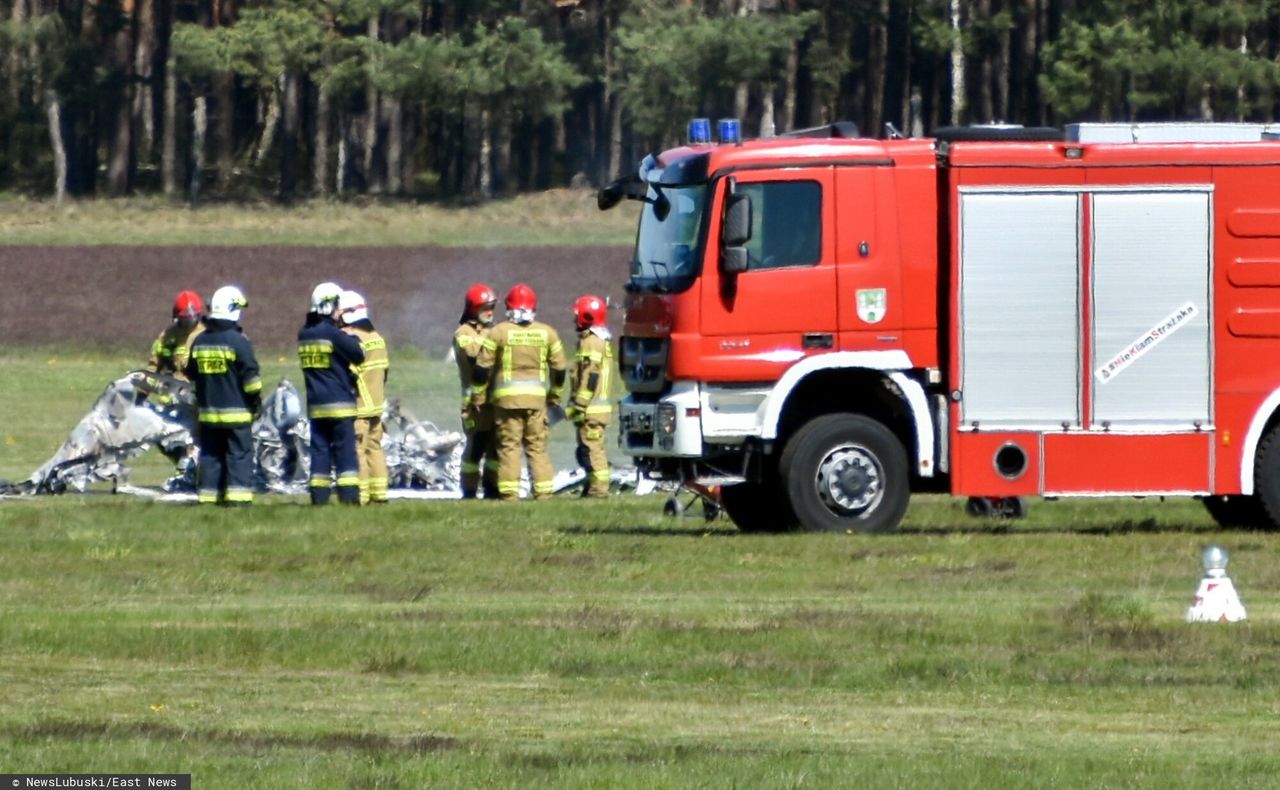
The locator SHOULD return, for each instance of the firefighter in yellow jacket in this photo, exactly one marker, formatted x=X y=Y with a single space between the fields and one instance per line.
x=525 y=360
x=172 y=349
x=477 y=421
x=371 y=387
x=590 y=402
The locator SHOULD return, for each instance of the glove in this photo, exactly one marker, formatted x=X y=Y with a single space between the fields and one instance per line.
x=575 y=414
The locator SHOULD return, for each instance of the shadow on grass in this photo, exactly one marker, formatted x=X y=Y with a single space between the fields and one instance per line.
x=336 y=741
x=716 y=530
x=725 y=529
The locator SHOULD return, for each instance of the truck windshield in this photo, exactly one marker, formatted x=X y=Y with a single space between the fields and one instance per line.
x=667 y=250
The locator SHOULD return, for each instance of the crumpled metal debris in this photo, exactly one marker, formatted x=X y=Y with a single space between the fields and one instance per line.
x=420 y=456
x=142 y=410
x=136 y=412
x=281 y=442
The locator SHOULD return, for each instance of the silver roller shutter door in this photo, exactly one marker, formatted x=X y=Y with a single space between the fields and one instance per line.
x=1151 y=310
x=1020 y=309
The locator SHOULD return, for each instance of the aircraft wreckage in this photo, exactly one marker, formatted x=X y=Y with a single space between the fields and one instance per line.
x=142 y=410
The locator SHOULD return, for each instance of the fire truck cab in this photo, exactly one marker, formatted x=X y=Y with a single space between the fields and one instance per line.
x=824 y=323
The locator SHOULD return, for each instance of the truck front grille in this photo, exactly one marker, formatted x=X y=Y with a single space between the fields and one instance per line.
x=643 y=363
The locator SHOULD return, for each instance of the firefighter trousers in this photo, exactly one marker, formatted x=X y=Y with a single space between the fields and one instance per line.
x=333 y=452
x=480 y=464
x=372 y=460
x=593 y=458
x=522 y=432
x=226 y=464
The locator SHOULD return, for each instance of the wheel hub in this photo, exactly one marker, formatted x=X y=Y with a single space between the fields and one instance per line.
x=850 y=480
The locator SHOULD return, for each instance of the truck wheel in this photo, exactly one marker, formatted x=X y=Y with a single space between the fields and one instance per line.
x=846 y=472
x=979 y=507
x=1236 y=510
x=1266 y=478
x=757 y=507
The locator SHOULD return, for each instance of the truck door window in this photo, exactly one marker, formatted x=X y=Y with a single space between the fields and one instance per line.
x=786 y=223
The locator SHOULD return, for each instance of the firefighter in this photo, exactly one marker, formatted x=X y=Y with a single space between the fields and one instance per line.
x=371 y=386
x=477 y=420
x=327 y=355
x=525 y=360
x=590 y=404
x=170 y=351
x=224 y=373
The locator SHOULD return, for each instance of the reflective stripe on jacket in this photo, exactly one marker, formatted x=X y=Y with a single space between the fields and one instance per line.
x=591 y=386
x=467 y=340
x=526 y=363
x=172 y=349
x=224 y=374
x=371 y=375
x=327 y=355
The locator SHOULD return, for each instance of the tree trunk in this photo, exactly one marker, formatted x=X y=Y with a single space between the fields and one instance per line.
x=1002 y=75
x=393 y=120
x=373 y=183
x=320 y=156
x=1025 y=95
x=269 y=124
x=615 y=138
x=199 y=125
x=169 y=146
x=54 y=112
x=877 y=57
x=767 y=126
x=289 y=137
x=486 y=151
x=340 y=174
x=985 y=75
x=793 y=77
x=120 y=51
x=957 y=66
x=224 y=91
x=18 y=16
x=144 y=67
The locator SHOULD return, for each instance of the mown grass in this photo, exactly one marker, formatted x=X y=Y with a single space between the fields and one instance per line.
x=578 y=643
x=556 y=217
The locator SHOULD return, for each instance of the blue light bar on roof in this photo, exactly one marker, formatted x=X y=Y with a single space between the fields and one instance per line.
x=700 y=131
x=730 y=130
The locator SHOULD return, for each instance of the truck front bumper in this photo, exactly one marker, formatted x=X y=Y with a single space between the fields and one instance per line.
x=669 y=428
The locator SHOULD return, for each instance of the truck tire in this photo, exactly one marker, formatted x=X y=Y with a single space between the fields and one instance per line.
x=1237 y=510
x=1266 y=477
x=846 y=473
x=757 y=507
x=1012 y=134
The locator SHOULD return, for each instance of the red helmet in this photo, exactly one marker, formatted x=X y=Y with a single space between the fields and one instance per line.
x=187 y=304
x=480 y=297
x=589 y=311
x=522 y=297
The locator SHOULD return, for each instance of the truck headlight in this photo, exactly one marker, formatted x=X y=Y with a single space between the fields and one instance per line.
x=666 y=418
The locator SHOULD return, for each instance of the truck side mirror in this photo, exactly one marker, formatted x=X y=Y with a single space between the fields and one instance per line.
x=733 y=260
x=735 y=233
x=737 y=220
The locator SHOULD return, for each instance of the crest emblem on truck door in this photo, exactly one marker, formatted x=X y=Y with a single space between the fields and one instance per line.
x=872 y=303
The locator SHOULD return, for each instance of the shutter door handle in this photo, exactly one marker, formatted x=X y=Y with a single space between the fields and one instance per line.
x=818 y=340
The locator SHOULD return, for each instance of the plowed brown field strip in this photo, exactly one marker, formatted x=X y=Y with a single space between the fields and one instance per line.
x=120 y=297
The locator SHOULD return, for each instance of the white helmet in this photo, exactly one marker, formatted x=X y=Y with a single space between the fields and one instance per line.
x=324 y=299
x=351 y=307
x=226 y=303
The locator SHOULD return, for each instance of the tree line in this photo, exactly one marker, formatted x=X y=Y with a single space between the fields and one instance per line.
x=478 y=98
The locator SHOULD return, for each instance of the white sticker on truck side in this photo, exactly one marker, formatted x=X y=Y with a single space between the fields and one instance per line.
x=1134 y=351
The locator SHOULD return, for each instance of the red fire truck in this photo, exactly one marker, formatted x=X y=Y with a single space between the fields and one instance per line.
x=823 y=323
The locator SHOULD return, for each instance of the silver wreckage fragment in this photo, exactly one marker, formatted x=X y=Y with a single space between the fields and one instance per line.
x=136 y=412
x=142 y=410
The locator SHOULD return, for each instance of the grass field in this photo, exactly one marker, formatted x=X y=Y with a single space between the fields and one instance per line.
x=555 y=217
x=599 y=644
